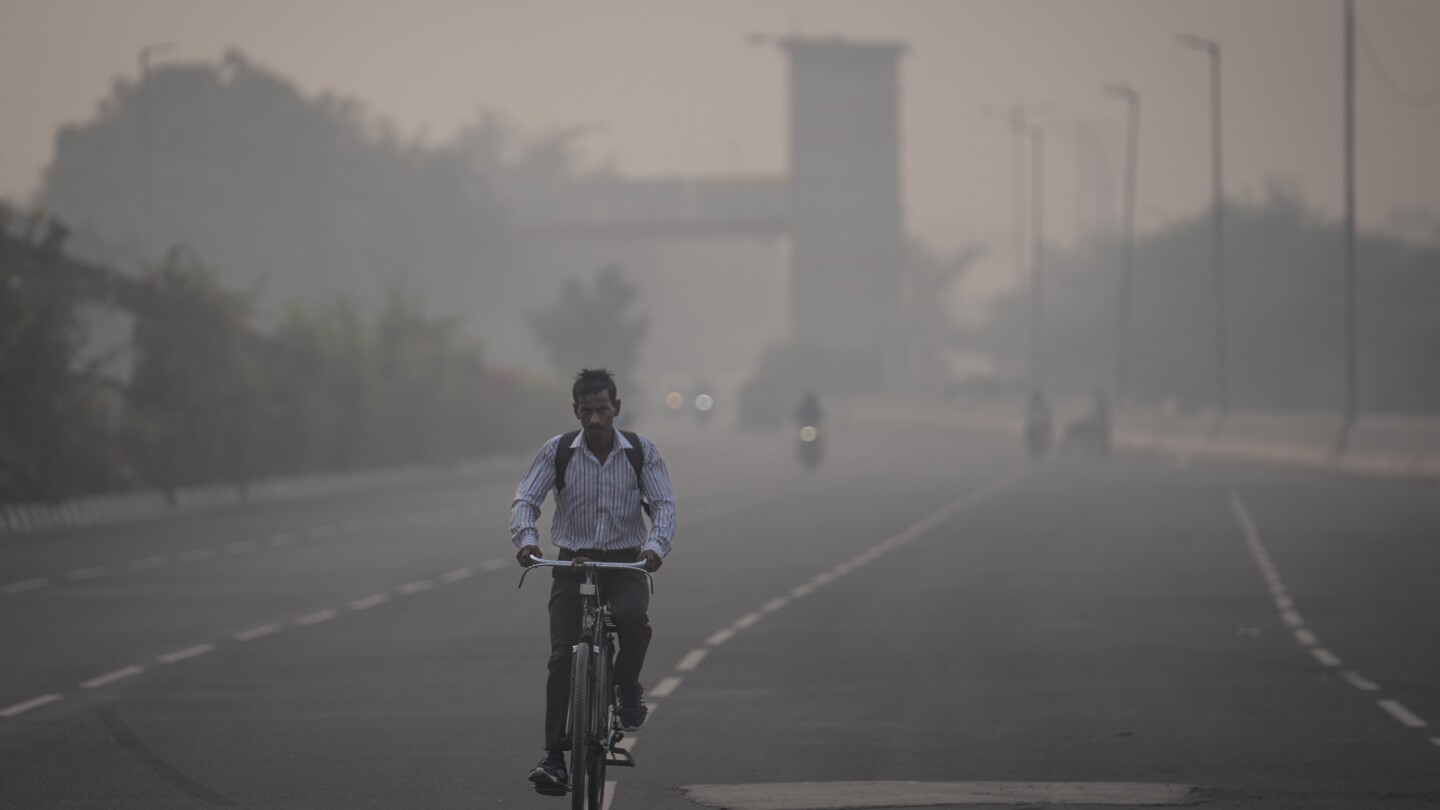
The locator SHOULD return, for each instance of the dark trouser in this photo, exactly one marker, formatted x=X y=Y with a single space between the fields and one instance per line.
x=628 y=594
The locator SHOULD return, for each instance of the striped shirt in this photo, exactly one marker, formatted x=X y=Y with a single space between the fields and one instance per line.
x=599 y=508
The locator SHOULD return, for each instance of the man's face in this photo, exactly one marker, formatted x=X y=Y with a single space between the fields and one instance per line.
x=597 y=413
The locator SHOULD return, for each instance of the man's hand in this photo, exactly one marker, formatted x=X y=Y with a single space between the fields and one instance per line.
x=652 y=560
x=526 y=552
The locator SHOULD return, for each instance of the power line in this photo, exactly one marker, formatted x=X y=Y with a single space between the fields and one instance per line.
x=1413 y=99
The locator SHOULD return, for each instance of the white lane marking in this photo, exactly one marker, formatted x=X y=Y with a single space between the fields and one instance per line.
x=328 y=530
x=720 y=637
x=145 y=563
x=841 y=795
x=111 y=677
x=1306 y=637
x=692 y=659
x=356 y=525
x=415 y=587
x=256 y=632
x=197 y=554
x=458 y=574
x=1283 y=603
x=1360 y=682
x=26 y=585
x=370 y=601
x=188 y=652
x=89 y=573
x=801 y=590
x=666 y=685
x=822 y=579
x=609 y=794
x=1292 y=618
x=1435 y=740
x=1325 y=657
x=282 y=539
x=27 y=705
x=775 y=604
x=748 y=620
x=496 y=564
x=317 y=617
x=242 y=547
x=1398 y=711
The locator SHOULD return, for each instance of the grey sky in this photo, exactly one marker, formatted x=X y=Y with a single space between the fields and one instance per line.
x=674 y=87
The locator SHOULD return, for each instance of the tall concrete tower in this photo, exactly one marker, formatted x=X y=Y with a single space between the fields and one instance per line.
x=847 y=223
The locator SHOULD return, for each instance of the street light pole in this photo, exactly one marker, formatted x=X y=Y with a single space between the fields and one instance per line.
x=1352 y=396
x=1037 y=273
x=1132 y=150
x=1212 y=48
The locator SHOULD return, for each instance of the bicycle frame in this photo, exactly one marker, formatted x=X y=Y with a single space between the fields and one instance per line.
x=591 y=721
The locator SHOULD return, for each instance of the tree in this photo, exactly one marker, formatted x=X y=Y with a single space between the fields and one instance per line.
x=590 y=326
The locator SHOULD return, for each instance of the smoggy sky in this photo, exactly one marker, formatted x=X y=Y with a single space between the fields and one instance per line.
x=673 y=86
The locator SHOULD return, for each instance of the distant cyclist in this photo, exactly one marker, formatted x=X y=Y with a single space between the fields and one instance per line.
x=809 y=411
x=610 y=477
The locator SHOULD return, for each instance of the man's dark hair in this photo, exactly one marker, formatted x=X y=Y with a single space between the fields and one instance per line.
x=593 y=381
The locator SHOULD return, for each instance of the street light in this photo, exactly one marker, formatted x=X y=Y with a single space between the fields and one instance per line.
x=147 y=205
x=1212 y=48
x=1131 y=98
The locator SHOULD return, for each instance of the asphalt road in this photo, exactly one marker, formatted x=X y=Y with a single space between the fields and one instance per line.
x=926 y=618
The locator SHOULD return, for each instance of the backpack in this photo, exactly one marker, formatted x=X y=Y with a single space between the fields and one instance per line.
x=635 y=452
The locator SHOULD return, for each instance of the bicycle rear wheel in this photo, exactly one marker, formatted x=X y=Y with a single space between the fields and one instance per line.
x=581 y=721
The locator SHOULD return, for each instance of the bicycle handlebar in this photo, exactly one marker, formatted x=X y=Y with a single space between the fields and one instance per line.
x=582 y=563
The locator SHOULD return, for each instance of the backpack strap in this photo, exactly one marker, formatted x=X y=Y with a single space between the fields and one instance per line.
x=636 y=454
x=563 y=452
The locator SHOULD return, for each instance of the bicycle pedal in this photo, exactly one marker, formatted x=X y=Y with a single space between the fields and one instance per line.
x=620 y=758
x=551 y=790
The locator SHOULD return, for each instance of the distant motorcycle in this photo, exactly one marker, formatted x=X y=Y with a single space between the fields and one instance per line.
x=809 y=450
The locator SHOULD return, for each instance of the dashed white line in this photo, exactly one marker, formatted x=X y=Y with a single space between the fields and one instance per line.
x=146 y=563
x=281 y=539
x=496 y=564
x=111 y=677
x=415 y=587
x=89 y=573
x=328 y=530
x=692 y=659
x=317 y=617
x=26 y=585
x=748 y=620
x=1306 y=637
x=188 y=652
x=666 y=685
x=1291 y=618
x=32 y=703
x=197 y=554
x=720 y=637
x=1435 y=740
x=774 y=604
x=256 y=632
x=1398 y=711
x=1325 y=657
x=370 y=601
x=458 y=574
x=801 y=591
x=242 y=547
x=1360 y=682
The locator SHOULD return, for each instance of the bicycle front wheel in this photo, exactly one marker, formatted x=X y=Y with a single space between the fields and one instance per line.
x=581 y=732
x=602 y=711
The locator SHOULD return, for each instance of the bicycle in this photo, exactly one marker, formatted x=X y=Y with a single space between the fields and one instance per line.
x=592 y=723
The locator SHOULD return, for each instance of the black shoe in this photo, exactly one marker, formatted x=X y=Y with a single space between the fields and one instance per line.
x=632 y=707
x=549 y=775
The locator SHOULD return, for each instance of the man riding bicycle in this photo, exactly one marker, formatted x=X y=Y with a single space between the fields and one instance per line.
x=606 y=479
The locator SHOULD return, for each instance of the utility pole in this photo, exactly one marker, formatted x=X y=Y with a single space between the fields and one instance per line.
x=1352 y=396
x=1212 y=48
x=1037 y=273
x=1127 y=256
